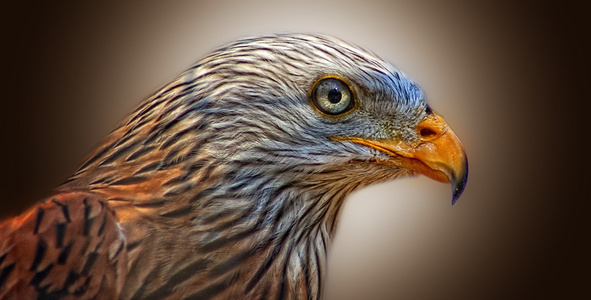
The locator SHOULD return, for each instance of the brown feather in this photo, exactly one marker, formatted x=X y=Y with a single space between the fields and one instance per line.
x=69 y=246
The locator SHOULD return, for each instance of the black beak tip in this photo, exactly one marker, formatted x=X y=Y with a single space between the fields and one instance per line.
x=458 y=184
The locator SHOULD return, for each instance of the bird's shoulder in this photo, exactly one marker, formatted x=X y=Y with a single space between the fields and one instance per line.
x=70 y=245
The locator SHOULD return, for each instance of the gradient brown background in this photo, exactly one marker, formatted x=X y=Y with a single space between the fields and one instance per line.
x=506 y=76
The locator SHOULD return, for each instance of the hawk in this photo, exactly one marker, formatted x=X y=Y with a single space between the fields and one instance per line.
x=227 y=183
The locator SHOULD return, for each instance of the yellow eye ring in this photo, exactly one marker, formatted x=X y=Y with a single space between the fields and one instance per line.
x=332 y=96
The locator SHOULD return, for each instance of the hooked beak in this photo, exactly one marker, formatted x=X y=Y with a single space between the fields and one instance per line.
x=439 y=155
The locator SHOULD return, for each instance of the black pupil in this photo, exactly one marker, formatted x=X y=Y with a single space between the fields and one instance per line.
x=334 y=96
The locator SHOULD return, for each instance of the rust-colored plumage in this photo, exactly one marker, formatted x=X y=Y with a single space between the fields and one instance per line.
x=68 y=246
x=227 y=183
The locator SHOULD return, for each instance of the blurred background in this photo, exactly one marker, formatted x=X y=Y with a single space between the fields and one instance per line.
x=508 y=78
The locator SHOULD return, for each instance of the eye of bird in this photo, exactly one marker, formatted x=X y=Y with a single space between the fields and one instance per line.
x=332 y=96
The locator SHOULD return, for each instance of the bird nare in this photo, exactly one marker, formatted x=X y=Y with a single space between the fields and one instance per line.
x=227 y=183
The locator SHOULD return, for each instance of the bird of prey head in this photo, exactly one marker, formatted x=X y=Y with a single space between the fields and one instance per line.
x=228 y=181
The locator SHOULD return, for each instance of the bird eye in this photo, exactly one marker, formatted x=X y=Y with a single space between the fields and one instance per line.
x=332 y=96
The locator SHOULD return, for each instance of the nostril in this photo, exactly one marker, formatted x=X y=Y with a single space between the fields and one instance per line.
x=427 y=133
